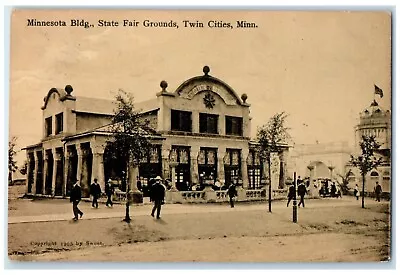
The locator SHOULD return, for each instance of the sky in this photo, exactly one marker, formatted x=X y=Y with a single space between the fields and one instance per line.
x=319 y=67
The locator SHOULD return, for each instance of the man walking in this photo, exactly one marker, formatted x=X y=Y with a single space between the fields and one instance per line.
x=378 y=192
x=75 y=198
x=232 y=193
x=109 y=189
x=301 y=191
x=157 y=193
x=95 y=191
x=291 y=194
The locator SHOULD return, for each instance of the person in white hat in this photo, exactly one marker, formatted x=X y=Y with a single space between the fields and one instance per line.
x=109 y=189
x=157 y=193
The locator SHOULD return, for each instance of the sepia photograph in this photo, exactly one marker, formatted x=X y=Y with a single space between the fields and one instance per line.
x=200 y=136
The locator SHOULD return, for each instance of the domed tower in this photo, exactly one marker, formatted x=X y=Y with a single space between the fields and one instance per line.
x=375 y=121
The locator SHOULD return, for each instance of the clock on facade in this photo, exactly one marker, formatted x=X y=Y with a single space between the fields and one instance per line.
x=209 y=100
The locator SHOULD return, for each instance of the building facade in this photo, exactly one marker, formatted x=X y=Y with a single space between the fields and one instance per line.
x=374 y=121
x=201 y=131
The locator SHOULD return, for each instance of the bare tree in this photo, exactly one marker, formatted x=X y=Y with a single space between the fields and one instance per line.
x=367 y=160
x=130 y=137
x=270 y=137
x=12 y=163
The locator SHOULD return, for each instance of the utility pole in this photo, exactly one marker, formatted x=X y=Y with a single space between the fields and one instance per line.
x=295 y=199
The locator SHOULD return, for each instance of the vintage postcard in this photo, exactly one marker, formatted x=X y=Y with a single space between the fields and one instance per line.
x=220 y=136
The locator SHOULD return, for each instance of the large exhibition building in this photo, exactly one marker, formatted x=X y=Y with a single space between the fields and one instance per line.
x=201 y=130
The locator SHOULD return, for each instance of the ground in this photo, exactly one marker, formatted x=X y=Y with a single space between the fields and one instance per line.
x=328 y=230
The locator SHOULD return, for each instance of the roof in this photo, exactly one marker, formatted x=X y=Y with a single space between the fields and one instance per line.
x=106 y=106
x=374 y=110
x=109 y=129
x=94 y=105
x=37 y=145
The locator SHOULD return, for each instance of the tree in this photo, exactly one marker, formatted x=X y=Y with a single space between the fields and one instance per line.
x=12 y=164
x=24 y=168
x=367 y=160
x=270 y=136
x=345 y=181
x=130 y=137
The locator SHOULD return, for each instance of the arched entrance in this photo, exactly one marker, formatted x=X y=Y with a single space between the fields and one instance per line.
x=318 y=173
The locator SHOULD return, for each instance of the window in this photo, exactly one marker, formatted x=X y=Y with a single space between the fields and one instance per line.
x=59 y=123
x=181 y=121
x=232 y=162
x=254 y=169
x=208 y=123
x=48 y=126
x=207 y=164
x=234 y=125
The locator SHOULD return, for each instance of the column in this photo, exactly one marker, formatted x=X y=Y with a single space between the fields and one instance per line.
x=56 y=160
x=44 y=174
x=98 y=166
x=68 y=155
x=283 y=164
x=314 y=189
x=28 y=173
x=101 y=177
x=165 y=162
x=173 y=175
x=245 y=176
x=331 y=170
x=221 y=166
x=195 y=122
x=36 y=159
x=194 y=167
x=79 y=152
x=221 y=125
x=133 y=172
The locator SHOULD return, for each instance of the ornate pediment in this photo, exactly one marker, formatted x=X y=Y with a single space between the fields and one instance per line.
x=212 y=86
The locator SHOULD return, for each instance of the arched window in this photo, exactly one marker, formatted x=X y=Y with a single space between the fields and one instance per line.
x=374 y=174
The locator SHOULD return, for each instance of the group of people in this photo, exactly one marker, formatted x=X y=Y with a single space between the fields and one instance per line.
x=301 y=191
x=95 y=192
x=157 y=194
x=331 y=190
x=377 y=192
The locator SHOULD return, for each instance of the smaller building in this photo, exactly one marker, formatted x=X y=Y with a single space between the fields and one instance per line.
x=374 y=121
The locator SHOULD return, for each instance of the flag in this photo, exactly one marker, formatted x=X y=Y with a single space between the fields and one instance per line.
x=378 y=91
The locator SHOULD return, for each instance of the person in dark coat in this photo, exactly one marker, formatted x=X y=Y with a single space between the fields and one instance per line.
x=75 y=198
x=109 y=189
x=378 y=192
x=333 y=190
x=291 y=194
x=301 y=191
x=157 y=194
x=95 y=191
x=232 y=193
